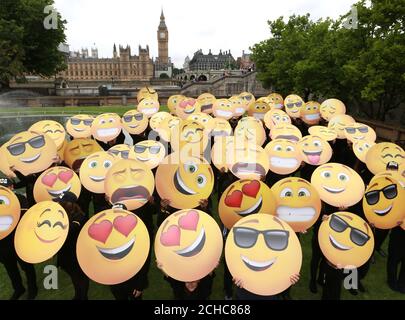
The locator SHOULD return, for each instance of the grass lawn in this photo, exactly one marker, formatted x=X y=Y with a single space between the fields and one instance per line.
x=375 y=282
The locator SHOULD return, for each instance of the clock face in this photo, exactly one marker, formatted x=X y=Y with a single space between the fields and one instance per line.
x=162 y=35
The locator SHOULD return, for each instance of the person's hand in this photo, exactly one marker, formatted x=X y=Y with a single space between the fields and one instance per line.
x=342 y=208
x=12 y=168
x=136 y=293
x=57 y=159
x=160 y=267
x=164 y=203
x=238 y=282
x=295 y=278
x=151 y=200
x=262 y=178
x=223 y=170
x=203 y=203
x=325 y=217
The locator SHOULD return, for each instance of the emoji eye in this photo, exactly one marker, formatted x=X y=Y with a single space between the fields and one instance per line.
x=45 y=222
x=326 y=174
x=367 y=145
x=306 y=144
x=107 y=164
x=285 y=119
x=4 y=200
x=204 y=120
x=59 y=224
x=111 y=120
x=277 y=118
x=360 y=149
x=191 y=168
x=290 y=149
x=48 y=131
x=93 y=164
x=309 y=108
x=317 y=143
x=303 y=192
x=343 y=177
x=102 y=121
x=287 y=192
x=278 y=148
x=201 y=181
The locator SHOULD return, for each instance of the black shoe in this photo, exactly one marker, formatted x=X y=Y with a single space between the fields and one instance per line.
x=313 y=287
x=353 y=292
x=361 y=287
x=382 y=253
x=17 y=294
x=32 y=293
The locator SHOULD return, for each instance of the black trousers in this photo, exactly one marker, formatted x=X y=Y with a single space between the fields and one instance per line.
x=380 y=235
x=333 y=282
x=396 y=259
x=316 y=259
x=80 y=283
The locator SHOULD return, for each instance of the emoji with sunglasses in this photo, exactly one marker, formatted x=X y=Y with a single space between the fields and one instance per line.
x=121 y=151
x=173 y=102
x=315 y=150
x=78 y=150
x=41 y=232
x=338 y=185
x=383 y=202
x=157 y=119
x=149 y=152
x=360 y=149
x=206 y=101
x=332 y=107
x=223 y=108
x=79 y=126
x=134 y=122
x=298 y=203
x=310 y=113
x=188 y=245
x=248 y=161
x=276 y=117
x=10 y=209
x=360 y=132
x=339 y=123
x=94 y=169
x=284 y=156
x=147 y=93
x=106 y=127
x=243 y=198
x=258 y=109
x=323 y=132
x=262 y=253
x=187 y=107
x=276 y=101
x=385 y=156
x=129 y=182
x=346 y=240
x=112 y=246
x=29 y=152
x=293 y=104
x=184 y=180
x=285 y=131
x=54 y=182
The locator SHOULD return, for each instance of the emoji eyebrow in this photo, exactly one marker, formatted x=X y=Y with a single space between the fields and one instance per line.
x=365 y=224
x=304 y=181
x=92 y=157
x=287 y=181
x=389 y=180
x=75 y=148
x=61 y=212
x=250 y=221
x=375 y=184
x=399 y=149
x=329 y=167
x=348 y=217
x=46 y=210
x=347 y=168
x=16 y=139
x=87 y=145
x=278 y=221
x=385 y=148
x=47 y=125
x=135 y=170
x=120 y=172
x=101 y=216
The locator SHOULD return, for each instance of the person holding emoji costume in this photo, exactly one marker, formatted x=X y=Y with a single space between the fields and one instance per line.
x=14 y=203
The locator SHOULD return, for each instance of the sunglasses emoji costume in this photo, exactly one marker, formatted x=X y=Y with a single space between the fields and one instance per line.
x=41 y=232
x=94 y=169
x=339 y=123
x=79 y=126
x=293 y=104
x=78 y=150
x=315 y=150
x=134 y=122
x=149 y=152
x=310 y=113
x=206 y=101
x=360 y=132
x=184 y=180
x=324 y=132
x=385 y=156
x=188 y=245
x=284 y=156
x=248 y=99
x=297 y=203
x=338 y=185
x=106 y=127
x=112 y=246
x=54 y=182
x=121 y=151
x=10 y=209
x=31 y=152
x=332 y=107
x=263 y=252
x=346 y=240
x=243 y=198
x=129 y=182
x=383 y=202
x=276 y=101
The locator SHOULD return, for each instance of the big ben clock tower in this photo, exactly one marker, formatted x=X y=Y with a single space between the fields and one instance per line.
x=163 y=41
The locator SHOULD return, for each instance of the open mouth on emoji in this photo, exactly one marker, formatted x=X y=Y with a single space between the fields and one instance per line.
x=288 y=137
x=32 y=159
x=336 y=244
x=239 y=110
x=312 y=116
x=44 y=240
x=119 y=252
x=138 y=193
x=181 y=186
x=258 y=115
x=206 y=107
x=76 y=165
x=57 y=193
x=289 y=214
x=97 y=179
x=279 y=162
x=150 y=111
x=392 y=165
x=223 y=113
x=333 y=190
x=5 y=223
x=107 y=132
x=253 y=209
x=383 y=212
x=190 y=111
x=195 y=248
x=313 y=156
x=258 y=265
x=244 y=168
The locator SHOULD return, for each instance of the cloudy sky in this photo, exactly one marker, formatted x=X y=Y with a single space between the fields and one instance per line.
x=192 y=24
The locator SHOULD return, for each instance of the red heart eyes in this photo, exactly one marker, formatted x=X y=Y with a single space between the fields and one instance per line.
x=189 y=221
x=171 y=237
x=234 y=200
x=65 y=176
x=50 y=179
x=251 y=189
x=101 y=231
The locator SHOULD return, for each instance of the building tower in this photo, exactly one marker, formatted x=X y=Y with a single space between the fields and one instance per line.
x=163 y=41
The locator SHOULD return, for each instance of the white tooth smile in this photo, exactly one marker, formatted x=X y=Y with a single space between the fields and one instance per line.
x=183 y=185
x=195 y=247
x=118 y=250
x=258 y=115
x=189 y=111
x=29 y=160
x=382 y=212
x=240 y=110
x=97 y=179
x=258 y=265
x=251 y=209
x=107 y=132
x=312 y=116
x=222 y=113
x=334 y=190
x=56 y=193
x=142 y=159
x=337 y=244
x=289 y=214
x=150 y=111
x=79 y=130
x=5 y=223
x=283 y=162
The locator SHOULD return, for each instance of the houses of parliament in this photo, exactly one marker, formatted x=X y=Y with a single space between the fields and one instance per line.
x=123 y=66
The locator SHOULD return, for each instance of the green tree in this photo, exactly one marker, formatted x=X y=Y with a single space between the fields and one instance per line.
x=26 y=46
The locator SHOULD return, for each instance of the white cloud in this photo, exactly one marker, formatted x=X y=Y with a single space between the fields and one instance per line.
x=193 y=25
